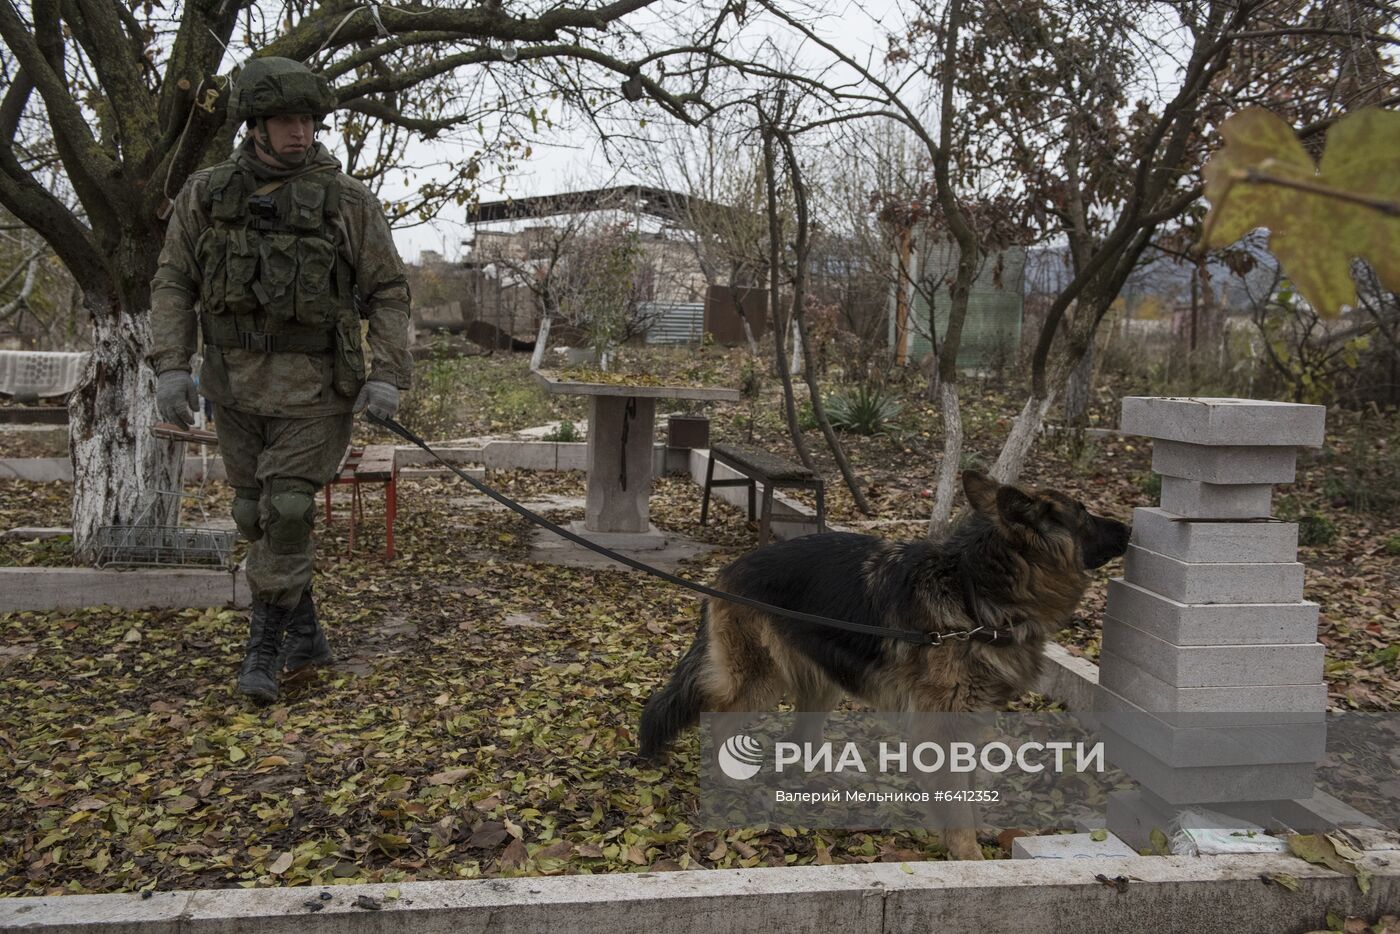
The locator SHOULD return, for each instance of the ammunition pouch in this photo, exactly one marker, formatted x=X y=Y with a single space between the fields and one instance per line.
x=348 y=365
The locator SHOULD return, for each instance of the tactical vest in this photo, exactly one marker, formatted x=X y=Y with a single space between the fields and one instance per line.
x=273 y=280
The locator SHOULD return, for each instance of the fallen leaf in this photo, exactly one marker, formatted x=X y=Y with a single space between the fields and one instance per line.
x=1281 y=878
x=514 y=856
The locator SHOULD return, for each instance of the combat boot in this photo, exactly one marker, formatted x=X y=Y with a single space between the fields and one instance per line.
x=305 y=645
x=266 y=631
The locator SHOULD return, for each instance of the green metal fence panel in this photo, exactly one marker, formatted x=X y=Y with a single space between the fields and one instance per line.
x=992 y=329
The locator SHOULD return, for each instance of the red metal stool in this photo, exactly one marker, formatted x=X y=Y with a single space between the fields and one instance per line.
x=375 y=463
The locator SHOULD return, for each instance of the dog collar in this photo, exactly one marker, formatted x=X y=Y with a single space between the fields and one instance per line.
x=984 y=634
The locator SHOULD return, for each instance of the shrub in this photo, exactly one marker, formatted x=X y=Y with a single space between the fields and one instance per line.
x=565 y=431
x=1316 y=529
x=1152 y=485
x=862 y=411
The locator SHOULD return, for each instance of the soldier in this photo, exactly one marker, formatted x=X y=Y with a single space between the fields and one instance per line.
x=273 y=257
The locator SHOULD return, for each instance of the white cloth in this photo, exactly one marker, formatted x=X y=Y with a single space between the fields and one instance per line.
x=38 y=373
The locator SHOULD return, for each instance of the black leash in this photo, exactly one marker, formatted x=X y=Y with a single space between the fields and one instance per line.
x=992 y=636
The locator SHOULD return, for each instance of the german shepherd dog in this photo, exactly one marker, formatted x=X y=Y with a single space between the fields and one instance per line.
x=1018 y=564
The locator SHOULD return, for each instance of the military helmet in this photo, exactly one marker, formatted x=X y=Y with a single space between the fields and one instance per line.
x=271 y=86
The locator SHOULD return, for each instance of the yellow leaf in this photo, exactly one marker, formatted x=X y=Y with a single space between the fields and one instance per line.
x=448 y=777
x=281 y=864
x=269 y=762
x=1263 y=177
x=236 y=755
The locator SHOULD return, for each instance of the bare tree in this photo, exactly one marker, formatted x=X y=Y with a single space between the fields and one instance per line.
x=584 y=268
x=721 y=173
x=38 y=309
x=800 y=264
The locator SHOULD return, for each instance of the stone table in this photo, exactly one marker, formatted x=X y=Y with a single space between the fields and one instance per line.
x=621 y=428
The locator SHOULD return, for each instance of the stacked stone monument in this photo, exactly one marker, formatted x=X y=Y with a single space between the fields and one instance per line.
x=1211 y=676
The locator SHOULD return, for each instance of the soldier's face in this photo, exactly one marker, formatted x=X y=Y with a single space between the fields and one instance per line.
x=290 y=135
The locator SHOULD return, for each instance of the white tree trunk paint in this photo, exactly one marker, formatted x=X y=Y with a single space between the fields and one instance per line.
x=949 y=469
x=1012 y=459
x=117 y=464
x=541 y=338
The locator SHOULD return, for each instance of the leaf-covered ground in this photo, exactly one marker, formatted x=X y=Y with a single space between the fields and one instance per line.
x=480 y=718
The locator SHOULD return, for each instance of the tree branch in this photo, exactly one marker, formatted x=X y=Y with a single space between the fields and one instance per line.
x=196 y=53
x=114 y=57
x=87 y=166
x=476 y=23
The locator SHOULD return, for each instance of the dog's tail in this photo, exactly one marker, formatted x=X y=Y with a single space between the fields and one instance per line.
x=677 y=706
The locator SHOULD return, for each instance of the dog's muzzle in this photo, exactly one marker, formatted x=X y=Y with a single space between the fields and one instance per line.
x=1109 y=540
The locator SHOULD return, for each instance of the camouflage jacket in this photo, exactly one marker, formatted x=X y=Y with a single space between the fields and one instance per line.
x=288 y=384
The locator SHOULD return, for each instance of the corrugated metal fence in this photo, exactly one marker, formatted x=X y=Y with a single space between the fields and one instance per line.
x=675 y=322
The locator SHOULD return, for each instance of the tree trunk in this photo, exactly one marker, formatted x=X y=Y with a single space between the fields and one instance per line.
x=748 y=333
x=542 y=338
x=1017 y=447
x=1077 y=390
x=795 y=365
x=775 y=258
x=948 y=470
x=118 y=466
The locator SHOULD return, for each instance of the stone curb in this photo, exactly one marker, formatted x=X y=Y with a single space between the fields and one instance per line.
x=29 y=588
x=1157 y=894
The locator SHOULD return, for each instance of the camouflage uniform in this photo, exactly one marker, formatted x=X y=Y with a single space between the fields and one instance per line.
x=274 y=267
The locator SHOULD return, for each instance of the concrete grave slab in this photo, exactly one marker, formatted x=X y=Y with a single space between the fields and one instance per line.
x=1207 y=783
x=1227 y=741
x=1168 y=533
x=1198 y=500
x=1224 y=421
x=1211 y=623
x=1205 y=666
x=28 y=533
x=1261 y=582
x=1229 y=464
x=1288 y=702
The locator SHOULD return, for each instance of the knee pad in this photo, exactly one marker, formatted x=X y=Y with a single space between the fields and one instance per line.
x=290 y=519
x=245 y=512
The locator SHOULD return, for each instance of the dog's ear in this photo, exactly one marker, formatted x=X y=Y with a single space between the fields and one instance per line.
x=981 y=490
x=1016 y=507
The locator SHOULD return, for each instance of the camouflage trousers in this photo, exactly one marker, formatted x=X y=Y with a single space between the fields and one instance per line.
x=274 y=462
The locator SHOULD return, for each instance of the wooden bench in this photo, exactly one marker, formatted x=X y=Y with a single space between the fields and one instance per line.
x=760 y=466
x=374 y=463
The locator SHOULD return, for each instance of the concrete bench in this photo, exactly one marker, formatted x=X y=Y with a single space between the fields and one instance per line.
x=770 y=470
